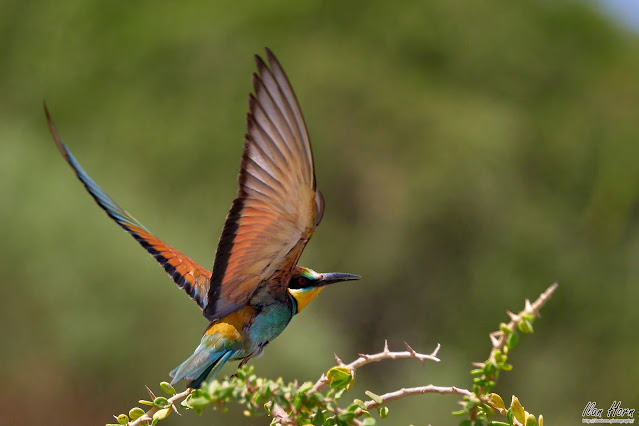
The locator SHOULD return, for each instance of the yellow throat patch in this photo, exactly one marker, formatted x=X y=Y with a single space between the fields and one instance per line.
x=304 y=296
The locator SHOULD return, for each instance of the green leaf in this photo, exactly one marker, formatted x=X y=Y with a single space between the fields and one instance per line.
x=525 y=326
x=479 y=381
x=338 y=373
x=123 y=419
x=161 y=402
x=145 y=402
x=518 y=410
x=499 y=424
x=490 y=368
x=196 y=393
x=297 y=402
x=197 y=403
x=166 y=387
x=496 y=400
x=319 y=419
x=346 y=417
x=360 y=403
x=136 y=413
x=305 y=387
x=513 y=339
x=224 y=392
x=487 y=409
x=355 y=406
x=531 y=420
x=510 y=415
x=162 y=413
x=374 y=397
x=369 y=421
x=383 y=412
x=339 y=377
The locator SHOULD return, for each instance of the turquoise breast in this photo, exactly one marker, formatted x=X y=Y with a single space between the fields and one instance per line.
x=269 y=323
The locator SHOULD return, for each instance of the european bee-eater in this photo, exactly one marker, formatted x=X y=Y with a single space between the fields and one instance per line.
x=256 y=286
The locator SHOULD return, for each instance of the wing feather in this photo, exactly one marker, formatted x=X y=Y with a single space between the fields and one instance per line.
x=277 y=205
x=186 y=273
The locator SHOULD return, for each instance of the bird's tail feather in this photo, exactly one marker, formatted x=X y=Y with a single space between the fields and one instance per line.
x=199 y=366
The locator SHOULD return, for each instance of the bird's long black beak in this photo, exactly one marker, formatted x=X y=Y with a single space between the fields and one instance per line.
x=336 y=277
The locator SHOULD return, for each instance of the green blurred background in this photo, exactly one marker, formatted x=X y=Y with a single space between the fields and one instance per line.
x=470 y=154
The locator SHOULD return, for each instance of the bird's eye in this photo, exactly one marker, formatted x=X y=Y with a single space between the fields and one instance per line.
x=302 y=280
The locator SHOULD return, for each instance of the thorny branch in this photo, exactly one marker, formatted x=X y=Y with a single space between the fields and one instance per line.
x=368 y=358
x=402 y=393
x=499 y=338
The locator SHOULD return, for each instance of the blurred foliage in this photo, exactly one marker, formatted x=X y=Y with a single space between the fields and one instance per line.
x=470 y=153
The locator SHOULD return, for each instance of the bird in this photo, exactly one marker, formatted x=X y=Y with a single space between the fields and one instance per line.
x=256 y=286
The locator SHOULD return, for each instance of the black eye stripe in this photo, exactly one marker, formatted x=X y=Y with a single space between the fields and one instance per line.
x=298 y=282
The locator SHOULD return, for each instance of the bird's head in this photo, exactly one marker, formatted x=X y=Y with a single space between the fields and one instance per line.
x=305 y=283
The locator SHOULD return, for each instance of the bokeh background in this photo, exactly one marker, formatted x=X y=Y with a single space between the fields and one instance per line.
x=470 y=154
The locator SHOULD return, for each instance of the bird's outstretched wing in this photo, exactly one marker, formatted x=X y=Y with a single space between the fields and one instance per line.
x=277 y=205
x=186 y=273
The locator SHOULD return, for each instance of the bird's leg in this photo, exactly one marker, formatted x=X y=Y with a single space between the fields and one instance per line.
x=242 y=364
x=256 y=354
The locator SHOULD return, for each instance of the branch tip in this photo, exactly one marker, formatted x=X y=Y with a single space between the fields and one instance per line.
x=436 y=351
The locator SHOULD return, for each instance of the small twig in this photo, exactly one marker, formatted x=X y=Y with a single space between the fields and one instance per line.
x=148 y=416
x=282 y=416
x=368 y=358
x=402 y=393
x=499 y=338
